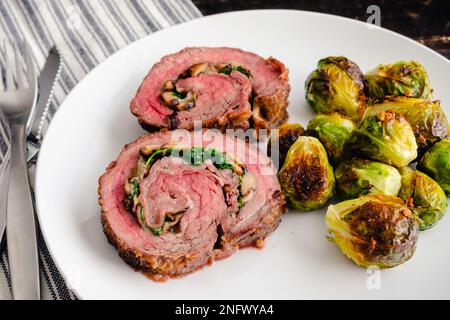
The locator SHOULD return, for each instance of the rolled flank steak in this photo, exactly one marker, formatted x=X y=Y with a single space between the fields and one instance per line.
x=221 y=87
x=175 y=201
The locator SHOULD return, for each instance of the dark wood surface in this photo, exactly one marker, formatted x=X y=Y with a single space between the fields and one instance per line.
x=426 y=21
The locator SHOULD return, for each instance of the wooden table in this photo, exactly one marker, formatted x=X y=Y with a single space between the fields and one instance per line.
x=427 y=21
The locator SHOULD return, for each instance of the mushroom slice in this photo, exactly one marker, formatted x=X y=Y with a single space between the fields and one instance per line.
x=248 y=187
x=169 y=85
x=198 y=68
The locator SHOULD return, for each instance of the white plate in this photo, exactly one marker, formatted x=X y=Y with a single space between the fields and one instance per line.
x=94 y=123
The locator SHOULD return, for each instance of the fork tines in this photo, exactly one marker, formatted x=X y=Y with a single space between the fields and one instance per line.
x=12 y=65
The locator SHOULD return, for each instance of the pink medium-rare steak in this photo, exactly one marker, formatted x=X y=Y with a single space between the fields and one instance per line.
x=173 y=202
x=221 y=87
x=221 y=100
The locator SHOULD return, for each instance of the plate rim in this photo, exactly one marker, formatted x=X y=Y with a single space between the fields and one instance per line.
x=61 y=109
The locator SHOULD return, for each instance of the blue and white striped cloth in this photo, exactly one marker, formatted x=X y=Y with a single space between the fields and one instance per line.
x=86 y=32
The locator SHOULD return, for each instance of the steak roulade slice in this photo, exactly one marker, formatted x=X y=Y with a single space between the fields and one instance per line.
x=175 y=201
x=221 y=87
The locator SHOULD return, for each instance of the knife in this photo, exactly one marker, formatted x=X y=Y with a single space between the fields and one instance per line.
x=5 y=294
x=4 y=182
x=47 y=81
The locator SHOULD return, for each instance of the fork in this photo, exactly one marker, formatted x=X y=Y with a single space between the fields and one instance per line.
x=17 y=101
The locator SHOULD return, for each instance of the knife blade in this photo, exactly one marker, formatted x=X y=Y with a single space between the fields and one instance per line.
x=47 y=81
x=4 y=183
x=4 y=179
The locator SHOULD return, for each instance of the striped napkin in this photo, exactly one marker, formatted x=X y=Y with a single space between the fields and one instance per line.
x=86 y=32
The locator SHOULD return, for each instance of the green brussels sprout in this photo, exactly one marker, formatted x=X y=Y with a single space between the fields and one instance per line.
x=426 y=118
x=307 y=179
x=337 y=85
x=281 y=140
x=436 y=163
x=374 y=231
x=358 y=177
x=423 y=196
x=386 y=137
x=402 y=78
x=334 y=131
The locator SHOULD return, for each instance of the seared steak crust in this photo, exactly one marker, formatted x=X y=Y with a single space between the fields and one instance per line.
x=269 y=111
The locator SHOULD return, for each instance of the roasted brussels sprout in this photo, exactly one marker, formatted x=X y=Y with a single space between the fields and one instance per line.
x=334 y=131
x=358 y=177
x=281 y=140
x=386 y=137
x=423 y=196
x=306 y=177
x=336 y=85
x=374 y=230
x=402 y=78
x=436 y=163
x=426 y=118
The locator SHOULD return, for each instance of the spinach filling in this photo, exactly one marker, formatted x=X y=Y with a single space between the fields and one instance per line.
x=229 y=68
x=179 y=95
x=170 y=223
x=157 y=155
x=156 y=231
x=240 y=197
x=195 y=156
x=130 y=201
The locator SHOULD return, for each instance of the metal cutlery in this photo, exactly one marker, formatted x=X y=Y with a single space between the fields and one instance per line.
x=4 y=178
x=47 y=81
x=4 y=181
x=5 y=294
x=17 y=102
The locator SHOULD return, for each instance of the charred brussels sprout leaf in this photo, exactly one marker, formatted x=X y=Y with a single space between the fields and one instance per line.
x=307 y=178
x=336 y=85
x=426 y=118
x=436 y=163
x=423 y=196
x=386 y=137
x=358 y=177
x=334 y=131
x=281 y=140
x=374 y=230
x=407 y=79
